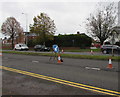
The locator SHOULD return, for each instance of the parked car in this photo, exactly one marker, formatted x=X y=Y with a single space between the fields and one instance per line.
x=21 y=47
x=106 y=49
x=41 y=48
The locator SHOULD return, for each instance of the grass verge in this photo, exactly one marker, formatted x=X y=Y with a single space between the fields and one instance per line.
x=84 y=50
x=95 y=57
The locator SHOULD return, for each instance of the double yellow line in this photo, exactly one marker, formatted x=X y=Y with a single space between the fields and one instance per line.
x=65 y=82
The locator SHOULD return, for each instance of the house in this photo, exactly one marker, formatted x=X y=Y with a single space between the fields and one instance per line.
x=116 y=29
x=7 y=41
x=21 y=38
x=31 y=36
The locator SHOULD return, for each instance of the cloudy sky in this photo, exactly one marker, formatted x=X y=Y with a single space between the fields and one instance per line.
x=69 y=15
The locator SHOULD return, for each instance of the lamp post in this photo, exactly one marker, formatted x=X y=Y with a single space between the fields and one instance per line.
x=26 y=15
x=73 y=42
x=113 y=40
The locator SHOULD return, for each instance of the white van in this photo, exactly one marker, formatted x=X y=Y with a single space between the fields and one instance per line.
x=21 y=47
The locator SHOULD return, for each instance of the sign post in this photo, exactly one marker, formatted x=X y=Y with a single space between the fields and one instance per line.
x=56 y=48
x=56 y=51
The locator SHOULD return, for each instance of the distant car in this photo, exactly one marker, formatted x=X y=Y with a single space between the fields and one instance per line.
x=41 y=48
x=21 y=47
x=106 y=49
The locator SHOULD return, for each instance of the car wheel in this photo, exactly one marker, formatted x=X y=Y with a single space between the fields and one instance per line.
x=105 y=52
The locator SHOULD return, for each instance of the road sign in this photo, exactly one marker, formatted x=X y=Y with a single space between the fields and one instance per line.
x=56 y=48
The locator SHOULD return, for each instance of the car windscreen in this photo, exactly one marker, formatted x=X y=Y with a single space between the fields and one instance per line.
x=23 y=45
x=38 y=46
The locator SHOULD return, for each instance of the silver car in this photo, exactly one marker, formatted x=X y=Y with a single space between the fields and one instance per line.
x=106 y=49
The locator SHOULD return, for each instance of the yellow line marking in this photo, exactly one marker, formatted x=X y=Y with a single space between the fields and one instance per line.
x=78 y=85
x=73 y=82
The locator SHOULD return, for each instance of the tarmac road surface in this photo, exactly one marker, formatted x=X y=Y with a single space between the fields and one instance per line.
x=83 y=71
x=80 y=53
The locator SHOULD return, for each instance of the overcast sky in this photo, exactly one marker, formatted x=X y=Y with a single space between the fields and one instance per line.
x=69 y=15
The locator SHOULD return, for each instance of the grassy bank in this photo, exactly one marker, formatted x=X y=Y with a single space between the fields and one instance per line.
x=95 y=57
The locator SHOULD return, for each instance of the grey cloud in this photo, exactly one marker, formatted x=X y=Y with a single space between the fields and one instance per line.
x=67 y=15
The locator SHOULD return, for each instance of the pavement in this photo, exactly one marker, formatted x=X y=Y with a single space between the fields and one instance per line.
x=75 y=70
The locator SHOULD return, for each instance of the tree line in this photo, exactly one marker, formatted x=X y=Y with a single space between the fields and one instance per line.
x=98 y=25
x=71 y=40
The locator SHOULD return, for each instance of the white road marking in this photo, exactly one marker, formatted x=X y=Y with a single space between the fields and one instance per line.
x=92 y=68
x=87 y=68
x=96 y=68
x=35 y=61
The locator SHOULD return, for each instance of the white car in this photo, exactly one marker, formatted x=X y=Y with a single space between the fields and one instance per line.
x=21 y=47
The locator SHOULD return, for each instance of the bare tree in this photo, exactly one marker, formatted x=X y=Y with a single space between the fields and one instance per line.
x=11 y=27
x=100 y=25
x=44 y=27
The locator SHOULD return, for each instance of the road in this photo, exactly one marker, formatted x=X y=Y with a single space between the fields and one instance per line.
x=81 y=71
x=80 y=53
x=89 y=53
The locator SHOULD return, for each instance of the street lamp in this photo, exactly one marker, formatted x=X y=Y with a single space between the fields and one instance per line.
x=73 y=41
x=26 y=15
x=113 y=40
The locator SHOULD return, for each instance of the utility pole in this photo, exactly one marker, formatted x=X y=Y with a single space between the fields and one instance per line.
x=26 y=34
x=113 y=40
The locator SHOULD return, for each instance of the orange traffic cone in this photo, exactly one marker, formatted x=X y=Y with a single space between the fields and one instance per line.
x=110 y=64
x=59 y=59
